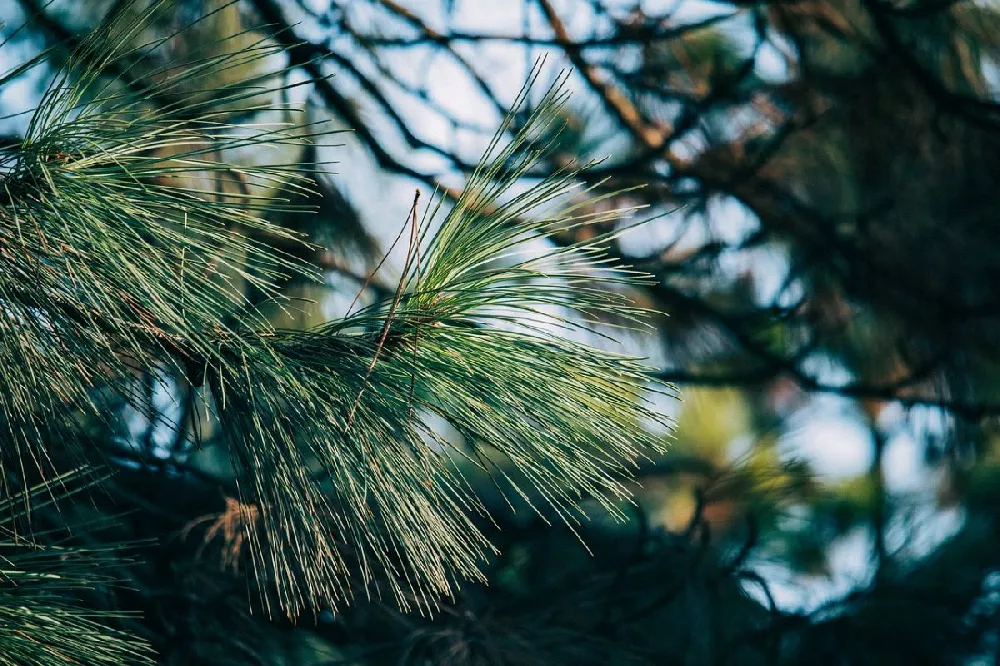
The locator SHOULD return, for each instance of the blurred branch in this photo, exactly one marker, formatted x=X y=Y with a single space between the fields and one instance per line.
x=36 y=14
x=623 y=109
x=638 y=36
x=723 y=169
x=971 y=108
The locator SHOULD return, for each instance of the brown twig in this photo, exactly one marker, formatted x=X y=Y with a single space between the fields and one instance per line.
x=392 y=310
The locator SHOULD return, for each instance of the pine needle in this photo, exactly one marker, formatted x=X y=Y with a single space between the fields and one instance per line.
x=41 y=623
x=113 y=261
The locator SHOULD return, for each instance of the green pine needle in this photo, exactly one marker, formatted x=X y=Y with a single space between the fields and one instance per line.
x=329 y=426
x=112 y=261
x=125 y=244
x=42 y=623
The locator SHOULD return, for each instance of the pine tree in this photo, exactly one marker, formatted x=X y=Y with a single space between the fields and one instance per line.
x=131 y=250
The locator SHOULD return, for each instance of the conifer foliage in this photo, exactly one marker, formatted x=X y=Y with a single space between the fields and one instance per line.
x=127 y=245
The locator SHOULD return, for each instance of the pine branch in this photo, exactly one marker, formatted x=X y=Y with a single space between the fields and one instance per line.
x=115 y=256
x=42 y=623
x=130 y=266
x=340 y=474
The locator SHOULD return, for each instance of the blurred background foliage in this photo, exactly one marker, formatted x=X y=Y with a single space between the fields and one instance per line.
x=823 y=178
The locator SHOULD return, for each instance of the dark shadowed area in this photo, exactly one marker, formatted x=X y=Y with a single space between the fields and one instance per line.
x=412 y=439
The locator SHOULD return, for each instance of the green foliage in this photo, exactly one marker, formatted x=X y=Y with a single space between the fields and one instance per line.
x=42 y=622
x=128 y=245
x=328 y=425
x=115 y=258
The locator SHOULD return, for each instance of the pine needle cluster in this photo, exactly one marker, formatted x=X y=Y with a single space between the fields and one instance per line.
x=42 y=619
x=127 y=245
